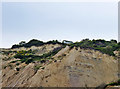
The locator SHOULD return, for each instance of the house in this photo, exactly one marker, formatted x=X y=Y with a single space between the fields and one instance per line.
x=67 y=42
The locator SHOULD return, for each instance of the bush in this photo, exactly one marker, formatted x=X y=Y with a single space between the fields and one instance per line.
x=43 y=68
x=15 y=46
x=35 y=42
x=23 y=60
x=18 y=69
x=28 y=61
x=54 y=42
x=13 y=61
x=20 y=56
x=43 y=61
x=17 y=64
x=32 y=42
x=10 y=66
x=23 y=55
x=37 y=67
x=4 y=67
x=107 y=47
x=114 y=83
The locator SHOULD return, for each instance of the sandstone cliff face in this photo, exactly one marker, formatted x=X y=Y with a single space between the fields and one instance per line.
x=69 y=68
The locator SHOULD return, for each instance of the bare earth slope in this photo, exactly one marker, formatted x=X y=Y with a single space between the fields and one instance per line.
x=68 y=68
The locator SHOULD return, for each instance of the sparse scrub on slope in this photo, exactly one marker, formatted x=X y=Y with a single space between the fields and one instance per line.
x=28 y=58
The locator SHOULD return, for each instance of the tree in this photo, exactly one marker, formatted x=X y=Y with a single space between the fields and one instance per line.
x=34 y=42
x=113 y=41
x=15 y=46
x=22 y=43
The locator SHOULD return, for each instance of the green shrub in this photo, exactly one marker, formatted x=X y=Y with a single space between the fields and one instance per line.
x=43 y=68
x=54 y=42
x=114 y=83
x=23 y=60
x=20 y=56
x=13 y=61
x=43 y=61
x=64 y=54
x=17 y=64
x=37 y=67
x=107 y=47
x=28 y=61
x=32 y=42
x=8 y=52
x=10 y=66
x=4 y=67
x=18 y=69
x=35 y=42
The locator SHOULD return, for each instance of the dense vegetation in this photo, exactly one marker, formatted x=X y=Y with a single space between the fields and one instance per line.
x=32 y=42
x=107 y=47
x=35 y=42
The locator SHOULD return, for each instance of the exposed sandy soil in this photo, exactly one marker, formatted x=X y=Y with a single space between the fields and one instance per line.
x=73 y=68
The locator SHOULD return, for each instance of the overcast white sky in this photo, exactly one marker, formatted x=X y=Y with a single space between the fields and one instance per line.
x=58 y=20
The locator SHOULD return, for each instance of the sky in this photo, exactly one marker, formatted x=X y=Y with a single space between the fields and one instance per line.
x=74 y=21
